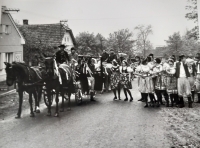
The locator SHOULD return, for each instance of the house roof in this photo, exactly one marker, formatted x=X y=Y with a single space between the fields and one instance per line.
x=14 y=24
x=52 y=34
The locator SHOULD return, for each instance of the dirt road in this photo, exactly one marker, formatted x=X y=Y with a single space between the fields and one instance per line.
x=101 y=124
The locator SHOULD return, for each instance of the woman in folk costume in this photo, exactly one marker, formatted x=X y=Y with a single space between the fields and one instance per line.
x=160 y=84
x=192 y=71
x=197 y=80
x=115 y=79
x=144 y=82
x=152 y=80
x=172 y=82
x=125 y=81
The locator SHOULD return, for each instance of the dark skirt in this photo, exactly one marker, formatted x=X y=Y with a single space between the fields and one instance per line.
x=114 y=80
x=124 y=81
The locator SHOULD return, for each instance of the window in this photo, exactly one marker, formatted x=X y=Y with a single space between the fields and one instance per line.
x=67 y=39
x=5 y=29
x=9 y=57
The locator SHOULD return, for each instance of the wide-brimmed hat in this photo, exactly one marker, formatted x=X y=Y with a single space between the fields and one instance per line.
x=197 y=56
x=181 y=56
x=62 y=45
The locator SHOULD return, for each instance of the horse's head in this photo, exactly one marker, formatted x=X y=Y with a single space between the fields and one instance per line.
x=10 y=74
x=49 y=66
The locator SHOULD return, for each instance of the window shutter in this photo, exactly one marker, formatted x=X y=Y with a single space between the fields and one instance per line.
x=1 y=28
x=1 y=62
x=9 y=29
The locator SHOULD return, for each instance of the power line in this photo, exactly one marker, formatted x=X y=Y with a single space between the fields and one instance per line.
x=120 y=18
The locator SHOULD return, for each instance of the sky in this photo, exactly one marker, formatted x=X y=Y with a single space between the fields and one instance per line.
x=107 y=16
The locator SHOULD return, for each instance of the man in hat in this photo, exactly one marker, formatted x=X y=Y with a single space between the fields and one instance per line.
x=61 y=55
x=182 y=74
x=104 y=56
x=112 y=56
x=73 y=55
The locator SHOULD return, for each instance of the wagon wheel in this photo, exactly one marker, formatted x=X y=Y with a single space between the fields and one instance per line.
x=46 y=101
x=79 y=96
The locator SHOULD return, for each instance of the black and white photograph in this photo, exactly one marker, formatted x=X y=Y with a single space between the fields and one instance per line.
x=99 y=74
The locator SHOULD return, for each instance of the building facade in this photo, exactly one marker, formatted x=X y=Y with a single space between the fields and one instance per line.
x=11 y=41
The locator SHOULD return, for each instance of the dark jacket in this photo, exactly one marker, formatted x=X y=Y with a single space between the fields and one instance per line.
x=104 y=56
x=62 y=56
x=112 y=57
x=178 y=64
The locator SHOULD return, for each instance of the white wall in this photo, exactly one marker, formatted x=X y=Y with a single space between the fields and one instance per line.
x=67 y=40
x=0 y=10
x=9 y=43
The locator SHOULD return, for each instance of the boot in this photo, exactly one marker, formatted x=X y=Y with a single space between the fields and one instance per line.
x=92 y=96
x=198 y=98
x=146 y=100
x=151 y=96
x=167 y=105
x=131 y=99
x=189 y=102
x=181 y=104
x=142 y=98
x=193 y=93
x=167 y=100
x=126 y=99
x=115 y=98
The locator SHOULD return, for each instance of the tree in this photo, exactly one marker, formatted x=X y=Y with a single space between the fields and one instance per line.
x=193 y=15
x=142 y=37
x=190 y=44
x=100 y=42
x=121 y=41
x=174 y=43
x=86 y=43
x=139 y=48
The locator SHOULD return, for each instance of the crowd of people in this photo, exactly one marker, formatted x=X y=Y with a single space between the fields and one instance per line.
x=171 y=78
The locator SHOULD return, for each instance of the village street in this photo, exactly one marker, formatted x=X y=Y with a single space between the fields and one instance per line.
x=104 y=123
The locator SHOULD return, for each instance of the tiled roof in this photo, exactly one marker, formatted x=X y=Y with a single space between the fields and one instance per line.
x=50 y=34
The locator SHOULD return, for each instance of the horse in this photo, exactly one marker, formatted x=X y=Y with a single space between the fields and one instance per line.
x=57 y=79
x=26 y=79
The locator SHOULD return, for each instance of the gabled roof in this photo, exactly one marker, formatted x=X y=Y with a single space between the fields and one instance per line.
x=14 y=24
x=52 y=34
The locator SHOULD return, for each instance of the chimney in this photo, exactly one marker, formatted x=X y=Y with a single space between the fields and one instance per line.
x=25 y=22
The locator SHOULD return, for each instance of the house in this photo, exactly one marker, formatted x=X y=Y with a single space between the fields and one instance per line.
x=11 y=41
x=44 y=38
